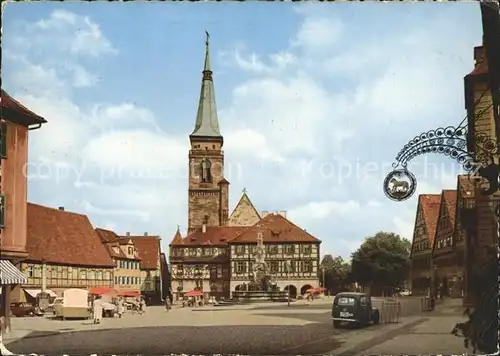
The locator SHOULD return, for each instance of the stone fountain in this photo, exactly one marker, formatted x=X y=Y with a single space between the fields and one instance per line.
x=261 y=288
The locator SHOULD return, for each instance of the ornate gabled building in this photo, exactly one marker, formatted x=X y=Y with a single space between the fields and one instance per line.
x=244 y=214
x=204 y=259
x=292 y=255
x=443 y=257
x=149 y=252
x=423 y=238
x=127 y=272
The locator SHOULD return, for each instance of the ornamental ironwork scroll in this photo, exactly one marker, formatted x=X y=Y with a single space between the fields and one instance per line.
x=401 y=184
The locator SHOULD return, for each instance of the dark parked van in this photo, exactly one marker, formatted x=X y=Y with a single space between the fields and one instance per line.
x=354 y=308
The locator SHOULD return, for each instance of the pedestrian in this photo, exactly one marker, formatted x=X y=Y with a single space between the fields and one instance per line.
x=97 y=309
x=120 y=307
x=142 y=306
x=167 y=303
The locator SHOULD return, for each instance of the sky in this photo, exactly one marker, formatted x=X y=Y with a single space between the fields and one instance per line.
x=314 y=101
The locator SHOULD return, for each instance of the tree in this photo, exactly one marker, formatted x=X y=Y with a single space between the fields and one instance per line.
x=382 y=260
x=335 y=270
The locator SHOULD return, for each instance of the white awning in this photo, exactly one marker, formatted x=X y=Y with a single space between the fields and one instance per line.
x=35 y=292
x=9 y=274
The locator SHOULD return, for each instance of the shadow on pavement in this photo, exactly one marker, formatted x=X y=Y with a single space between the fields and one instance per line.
x=306 y=339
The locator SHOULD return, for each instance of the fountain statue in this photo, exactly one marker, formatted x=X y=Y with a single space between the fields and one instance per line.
x=261 y=288
x=260 y=273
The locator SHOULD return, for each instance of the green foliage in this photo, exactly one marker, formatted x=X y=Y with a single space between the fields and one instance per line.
x=336 y=271
x=383 y=259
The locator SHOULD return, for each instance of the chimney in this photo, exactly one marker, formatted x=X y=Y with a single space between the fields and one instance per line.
x=127 y=233
x=61 y=208
x=145 y=234
x=479 y=55
x=204 y=227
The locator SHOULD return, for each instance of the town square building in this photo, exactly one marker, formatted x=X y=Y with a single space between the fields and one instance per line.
x=16 y=122
x=216 y=255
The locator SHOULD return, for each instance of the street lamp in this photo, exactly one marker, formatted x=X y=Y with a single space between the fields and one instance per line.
x=323 y=280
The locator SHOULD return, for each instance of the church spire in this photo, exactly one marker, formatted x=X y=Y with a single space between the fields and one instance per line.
x=207 y=122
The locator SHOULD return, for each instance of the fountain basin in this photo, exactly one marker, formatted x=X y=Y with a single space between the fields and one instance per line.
x=260 y=296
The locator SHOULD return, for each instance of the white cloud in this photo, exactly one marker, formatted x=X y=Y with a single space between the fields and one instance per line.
x=78 y=33
x=323 y=210
x=319 y=33
x=83 y=78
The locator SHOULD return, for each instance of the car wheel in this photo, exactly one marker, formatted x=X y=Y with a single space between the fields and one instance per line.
x=336 y=324
x=30 y=313
x=376 y=318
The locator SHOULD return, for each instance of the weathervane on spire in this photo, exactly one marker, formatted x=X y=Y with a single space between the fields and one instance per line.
x=207 y=42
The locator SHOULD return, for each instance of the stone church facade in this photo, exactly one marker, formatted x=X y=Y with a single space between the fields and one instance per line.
x=215 y=256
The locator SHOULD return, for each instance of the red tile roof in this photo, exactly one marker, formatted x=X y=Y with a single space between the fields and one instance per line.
x=112 y=243
x=106 y=235
x=64 y=237
x=177 y=237
x=9 y=102
x=430 y=210
x=214 y=235
x=275 y=228
x=148 y=248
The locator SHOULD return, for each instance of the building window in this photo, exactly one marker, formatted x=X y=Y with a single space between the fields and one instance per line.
x=70 y=272
x=83 y=274
x=199 y=284
x=3 y=139
x=198 y=271
x=99 y=275
x=289 y=249
x=180 y=270
x=306 y=249
x=208 y=251
x=192 y=252
x=2 y=210
x=130 y=250
x=241 y=267
x=91 y=275
x=275 y=267
x=53 y=272
x=272 y=249
x=306 y=266
x=240 y=250
x=205 y=167
x=179 y=252
x=29 y=271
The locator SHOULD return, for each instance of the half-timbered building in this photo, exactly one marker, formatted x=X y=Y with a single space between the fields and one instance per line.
x=483 y=233
x=446 y=273
x=203 y=259
x=423 y=238
x=292 y=255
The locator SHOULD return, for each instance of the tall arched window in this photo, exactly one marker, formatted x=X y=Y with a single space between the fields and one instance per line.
x=206 y=174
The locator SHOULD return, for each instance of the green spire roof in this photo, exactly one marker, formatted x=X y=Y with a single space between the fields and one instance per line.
x=207 y=123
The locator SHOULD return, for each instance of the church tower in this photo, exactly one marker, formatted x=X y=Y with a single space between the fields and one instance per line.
x=208 y=189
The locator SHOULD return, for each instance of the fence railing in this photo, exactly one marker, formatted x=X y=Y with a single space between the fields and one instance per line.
x=391 y=310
